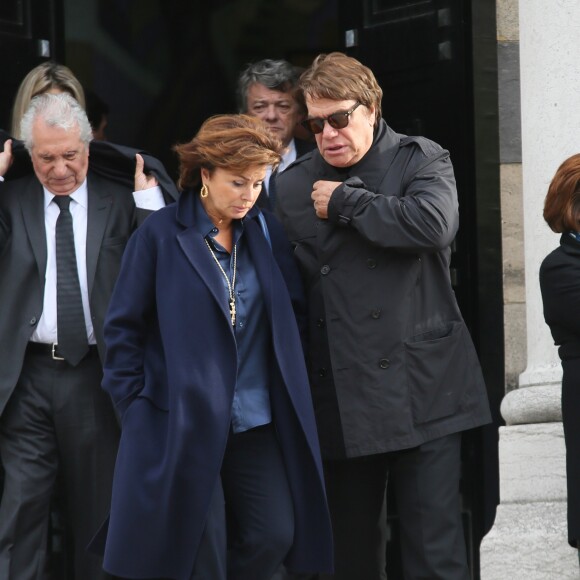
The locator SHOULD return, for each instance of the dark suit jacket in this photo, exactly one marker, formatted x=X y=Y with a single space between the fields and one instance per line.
x=112 y=217
x=302 y=147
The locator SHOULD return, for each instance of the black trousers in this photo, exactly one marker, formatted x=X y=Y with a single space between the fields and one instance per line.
x=58 y=419
x=571 y=421
x=426 y=481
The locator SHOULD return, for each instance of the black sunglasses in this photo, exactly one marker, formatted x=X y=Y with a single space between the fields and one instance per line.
x=336 y=121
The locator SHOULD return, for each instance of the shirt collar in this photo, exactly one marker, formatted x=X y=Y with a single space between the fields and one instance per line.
x=288 y=157
x=206 y=227
x=80 y=195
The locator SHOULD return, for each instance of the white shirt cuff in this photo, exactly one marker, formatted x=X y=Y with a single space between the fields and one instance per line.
x=1 y=178
x=151 y=198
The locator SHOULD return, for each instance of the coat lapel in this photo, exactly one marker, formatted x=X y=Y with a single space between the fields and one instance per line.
x=261 y=252
x=32 y=206
x=198 y=255
x=99 y=202
x=263 y=260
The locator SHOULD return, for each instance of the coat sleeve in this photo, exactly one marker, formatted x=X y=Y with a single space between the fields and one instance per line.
x=21 y=165
x=5 y=227
x=284 y=256
x=117 y=162
x=561 y=296
x=128 y=323
x=422 y=216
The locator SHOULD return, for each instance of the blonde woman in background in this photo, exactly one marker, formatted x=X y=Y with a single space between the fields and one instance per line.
x=48 y=77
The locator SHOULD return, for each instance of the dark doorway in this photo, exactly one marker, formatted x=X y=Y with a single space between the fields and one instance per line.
x=30 y=32
x=163 y=66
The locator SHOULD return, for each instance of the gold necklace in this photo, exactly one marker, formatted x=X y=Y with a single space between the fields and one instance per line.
x=232 y=284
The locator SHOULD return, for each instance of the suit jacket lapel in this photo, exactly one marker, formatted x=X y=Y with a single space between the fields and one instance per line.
x=32 y=204
x=99 y=202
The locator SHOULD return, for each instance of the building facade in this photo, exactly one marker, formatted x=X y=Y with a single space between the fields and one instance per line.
x=539 y=80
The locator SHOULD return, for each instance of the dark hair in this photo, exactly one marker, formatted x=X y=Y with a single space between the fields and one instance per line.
x=96 y=108
x=233 y=142
x=277 y=75
x=562 y=203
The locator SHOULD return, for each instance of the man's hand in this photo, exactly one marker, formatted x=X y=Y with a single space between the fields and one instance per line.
x=6 y=157
x=142 y=181
x=321 y=193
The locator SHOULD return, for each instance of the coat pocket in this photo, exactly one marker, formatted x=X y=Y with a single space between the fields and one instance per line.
x=438 y=370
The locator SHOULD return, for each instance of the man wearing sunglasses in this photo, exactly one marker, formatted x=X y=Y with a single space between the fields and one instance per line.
x=268 y=89
x=394 y=374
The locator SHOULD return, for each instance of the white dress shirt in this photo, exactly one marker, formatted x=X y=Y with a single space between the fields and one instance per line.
x=46 y=330
x=288 y=157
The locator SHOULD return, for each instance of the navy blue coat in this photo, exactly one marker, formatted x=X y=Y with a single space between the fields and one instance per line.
x=171 y=371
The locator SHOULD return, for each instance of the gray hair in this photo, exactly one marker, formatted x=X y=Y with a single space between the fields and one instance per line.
x=278 y=75
x=57 y=110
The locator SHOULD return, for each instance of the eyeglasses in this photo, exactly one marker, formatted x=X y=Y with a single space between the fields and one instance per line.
x=336 y=121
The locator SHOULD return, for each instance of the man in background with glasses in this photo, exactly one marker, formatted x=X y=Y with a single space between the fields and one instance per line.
x=394 y=374
x=268 y=89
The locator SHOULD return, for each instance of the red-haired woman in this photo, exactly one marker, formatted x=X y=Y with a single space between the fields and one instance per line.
x=560 y=285
x=205 y=366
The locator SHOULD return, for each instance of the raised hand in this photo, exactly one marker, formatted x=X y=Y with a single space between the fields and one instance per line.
x=6 y=157
x=143 y=181
x=321 y=193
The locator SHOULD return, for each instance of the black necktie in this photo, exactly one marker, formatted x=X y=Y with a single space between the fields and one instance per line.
x=272 y=189
x=70 y=319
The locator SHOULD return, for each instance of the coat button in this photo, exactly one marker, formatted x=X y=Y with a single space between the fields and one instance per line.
x=320 y=323
x=384 y=363
x=371 y=264
x=376 y=313
x=322 y=372
x=32 y=321
x=325 y=269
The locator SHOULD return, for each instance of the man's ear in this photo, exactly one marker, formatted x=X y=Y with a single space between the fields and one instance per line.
x=372 y=115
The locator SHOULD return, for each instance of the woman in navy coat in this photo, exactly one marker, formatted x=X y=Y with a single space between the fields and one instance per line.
x=218 y=474
x=560 y=285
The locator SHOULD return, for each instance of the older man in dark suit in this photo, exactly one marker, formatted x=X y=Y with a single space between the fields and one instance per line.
x=62 y=235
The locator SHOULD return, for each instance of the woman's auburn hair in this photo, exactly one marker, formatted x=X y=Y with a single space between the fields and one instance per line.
x=562 y=203
x=231 y=142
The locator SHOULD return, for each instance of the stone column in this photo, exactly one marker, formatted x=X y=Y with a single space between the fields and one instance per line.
x=529 y=536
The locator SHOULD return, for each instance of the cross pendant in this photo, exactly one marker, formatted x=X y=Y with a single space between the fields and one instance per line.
x=233 y=311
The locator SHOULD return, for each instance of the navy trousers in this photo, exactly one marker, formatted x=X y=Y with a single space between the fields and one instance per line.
x=250 y=528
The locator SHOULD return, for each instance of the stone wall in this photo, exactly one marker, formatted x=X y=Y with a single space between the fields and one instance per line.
x=529 y=535
x=508 y=52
